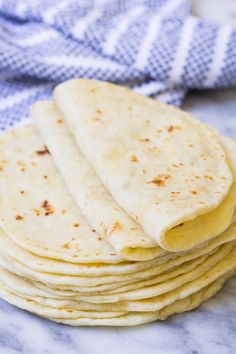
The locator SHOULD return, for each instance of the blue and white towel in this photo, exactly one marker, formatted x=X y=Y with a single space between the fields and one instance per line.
x=153 y=46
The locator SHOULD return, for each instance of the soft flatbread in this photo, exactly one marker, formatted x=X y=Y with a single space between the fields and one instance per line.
x=94 y=200
x=37 y=211
x=166 y=169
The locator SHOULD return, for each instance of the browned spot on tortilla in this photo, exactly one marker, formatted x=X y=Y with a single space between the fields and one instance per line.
x=60 y=121
x=209 y=177
x=20 y=163
x=133 y=158
x=174 y=195
x=170 y=128
x=37 y=212
x=44 y=204
x=145 y=140
x=66 y=245
x=160 y=180
x=116 y=226
x=49 y=209
x=63 y=211
x=44 y=151
x=45 y=177
x=193 y=192
x=96 y=119
x=76 y=225
x=19 y=217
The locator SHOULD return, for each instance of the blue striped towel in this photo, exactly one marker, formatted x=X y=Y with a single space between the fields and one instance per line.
x=153 y=46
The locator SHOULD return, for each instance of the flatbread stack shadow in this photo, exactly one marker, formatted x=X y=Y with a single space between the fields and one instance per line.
x=115 y=209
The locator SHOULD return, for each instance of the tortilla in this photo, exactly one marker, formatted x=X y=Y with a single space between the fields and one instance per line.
x=139 y=270
x=161 y=287
x=88 y=285
x=37 y=211
x=130 y=141
x=28 y=289
x=118 y=282
x=132 y=318
x=49 y=265
x=94 y=200
x=157 y=285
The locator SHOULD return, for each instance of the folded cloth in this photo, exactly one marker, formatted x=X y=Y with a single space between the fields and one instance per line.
x=153 y=46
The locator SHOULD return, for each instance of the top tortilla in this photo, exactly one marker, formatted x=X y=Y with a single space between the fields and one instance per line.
x=168 y=171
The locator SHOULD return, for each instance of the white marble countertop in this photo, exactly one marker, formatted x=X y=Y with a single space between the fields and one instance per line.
x=209 y=329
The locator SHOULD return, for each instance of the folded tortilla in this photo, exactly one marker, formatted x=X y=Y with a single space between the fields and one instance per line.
x=166 y=169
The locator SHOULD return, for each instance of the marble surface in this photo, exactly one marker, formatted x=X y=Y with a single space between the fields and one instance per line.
x=209 y=329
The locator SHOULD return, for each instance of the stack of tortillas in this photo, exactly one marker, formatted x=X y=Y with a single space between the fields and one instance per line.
x=115 y=209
